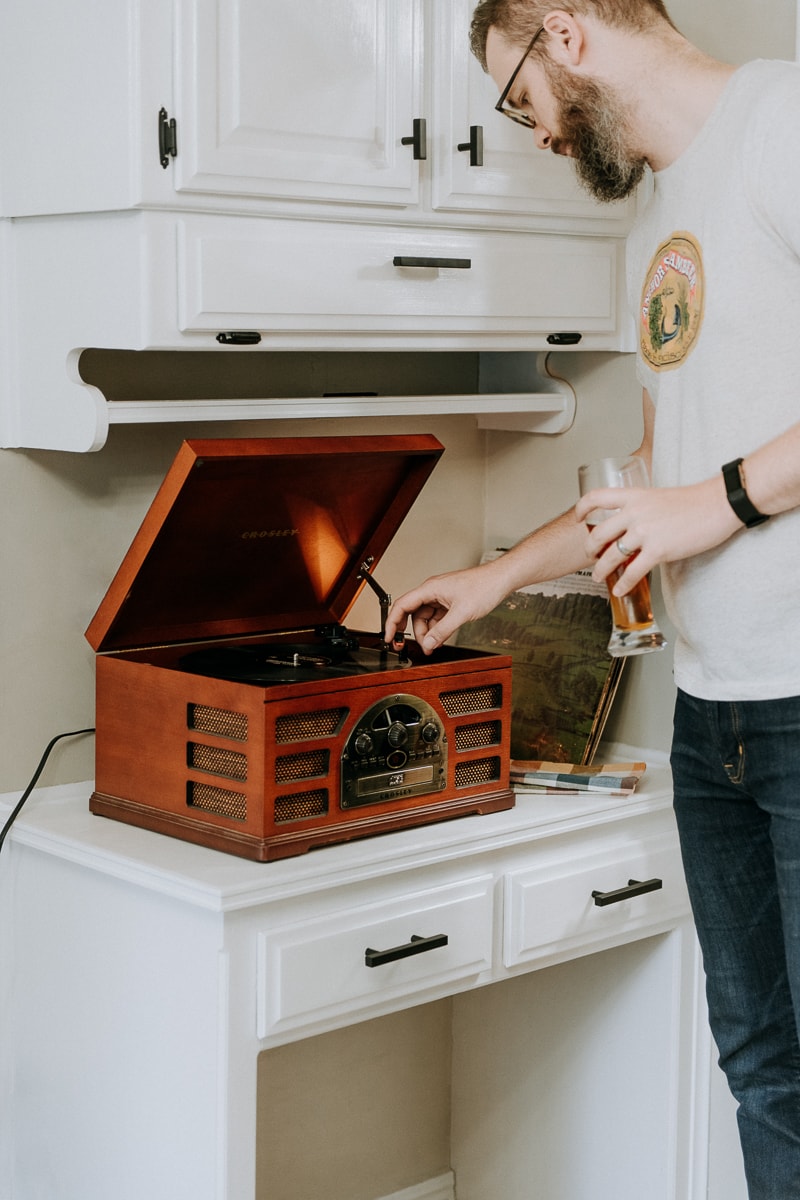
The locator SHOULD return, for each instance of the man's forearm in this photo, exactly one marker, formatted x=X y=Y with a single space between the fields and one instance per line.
x=552 y=550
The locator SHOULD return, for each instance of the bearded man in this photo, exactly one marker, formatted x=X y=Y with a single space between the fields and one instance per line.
x=713 y=272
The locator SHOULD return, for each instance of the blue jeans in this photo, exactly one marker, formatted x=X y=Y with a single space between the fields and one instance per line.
x=736 y=771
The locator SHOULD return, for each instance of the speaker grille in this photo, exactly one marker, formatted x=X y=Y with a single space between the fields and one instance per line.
x=479 y=770
x=218 y=721
x=300 y=806
x=302 y=766
x=219 y=801
x=305 y=727
x=472 y=700
x=217 y=761
x=474 y=737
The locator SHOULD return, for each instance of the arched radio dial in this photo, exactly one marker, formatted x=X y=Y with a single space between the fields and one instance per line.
x=398 y=748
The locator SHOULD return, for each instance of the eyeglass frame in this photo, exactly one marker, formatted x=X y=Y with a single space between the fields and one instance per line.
x=513 y=114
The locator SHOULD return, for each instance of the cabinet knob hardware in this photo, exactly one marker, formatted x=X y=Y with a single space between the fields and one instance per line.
x=419 y=138
x=417 y=945
x=239 y=337
x=634 y=888
x=405 y=260
x=474 y=145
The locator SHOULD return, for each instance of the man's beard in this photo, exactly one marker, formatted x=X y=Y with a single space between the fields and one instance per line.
x=592 y=126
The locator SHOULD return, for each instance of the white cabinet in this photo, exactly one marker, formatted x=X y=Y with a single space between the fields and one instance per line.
x=265 y=275
x=369 y=103
x=316 y=969
x=287 y=109
x=592 y=892
x=305 y=101
x=293 y=213
x=176 y=970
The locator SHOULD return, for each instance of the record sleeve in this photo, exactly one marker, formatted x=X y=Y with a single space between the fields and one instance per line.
x=563 y=679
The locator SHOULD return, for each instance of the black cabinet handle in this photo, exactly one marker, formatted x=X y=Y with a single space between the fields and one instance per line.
x=634 y=888
x=417 y=945
x=167 y=137
x=239 y=337
x=474 y=145
x=570 y=338
x=405 y=260
x=419 y=138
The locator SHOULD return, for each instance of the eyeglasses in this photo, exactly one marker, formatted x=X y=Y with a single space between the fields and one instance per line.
x=516 y=114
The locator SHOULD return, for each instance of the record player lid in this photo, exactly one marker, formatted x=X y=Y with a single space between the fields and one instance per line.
x=260 y=535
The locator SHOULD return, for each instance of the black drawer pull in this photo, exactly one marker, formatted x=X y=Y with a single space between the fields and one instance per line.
x=564 y=339
x=417 y=945
x=474 y=145
x=634 y=888
x=404 y=260
x=419 y=140
x=239 y=337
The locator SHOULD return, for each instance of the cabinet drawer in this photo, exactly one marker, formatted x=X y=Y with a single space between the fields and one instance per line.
x=282 y=276
x=315 y=970
x=585 y=897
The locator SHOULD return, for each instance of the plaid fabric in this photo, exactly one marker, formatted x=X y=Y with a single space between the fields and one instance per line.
x=612 y=778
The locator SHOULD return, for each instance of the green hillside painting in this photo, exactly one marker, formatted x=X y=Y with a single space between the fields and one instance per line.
x=563 y=679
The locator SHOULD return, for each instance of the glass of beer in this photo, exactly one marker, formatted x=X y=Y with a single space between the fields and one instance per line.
x=634 y=630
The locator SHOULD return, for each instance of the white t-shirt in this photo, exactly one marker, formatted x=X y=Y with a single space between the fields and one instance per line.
x=714 y=277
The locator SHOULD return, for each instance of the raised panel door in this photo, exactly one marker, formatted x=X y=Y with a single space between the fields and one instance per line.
x=303 y=101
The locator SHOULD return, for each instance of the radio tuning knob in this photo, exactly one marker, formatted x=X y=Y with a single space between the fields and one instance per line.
x=430 y=733
x=363 y=743
x=397 y=734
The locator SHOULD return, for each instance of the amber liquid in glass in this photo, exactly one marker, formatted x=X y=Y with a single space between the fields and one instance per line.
x=633 y=611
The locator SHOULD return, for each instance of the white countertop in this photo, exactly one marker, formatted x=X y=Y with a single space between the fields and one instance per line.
x=56 y=820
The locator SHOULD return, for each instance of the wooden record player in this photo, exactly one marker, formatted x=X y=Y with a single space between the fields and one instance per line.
x=234 y=708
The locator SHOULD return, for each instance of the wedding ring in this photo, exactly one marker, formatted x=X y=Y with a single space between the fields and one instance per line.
x=623 y=549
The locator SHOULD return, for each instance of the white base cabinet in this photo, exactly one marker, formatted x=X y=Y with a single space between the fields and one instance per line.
x=153 y=983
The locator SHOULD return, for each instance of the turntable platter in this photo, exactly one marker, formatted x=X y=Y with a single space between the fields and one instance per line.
x=270 y=665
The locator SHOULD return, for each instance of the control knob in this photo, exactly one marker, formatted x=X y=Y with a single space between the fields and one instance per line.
x=363 y=744
x=430 y=733
x=397 y=734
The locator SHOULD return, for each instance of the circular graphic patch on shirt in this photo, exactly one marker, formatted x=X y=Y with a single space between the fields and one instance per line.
x=672 y=302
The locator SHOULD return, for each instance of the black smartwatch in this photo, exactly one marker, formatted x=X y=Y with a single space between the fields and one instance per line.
x=738 y=498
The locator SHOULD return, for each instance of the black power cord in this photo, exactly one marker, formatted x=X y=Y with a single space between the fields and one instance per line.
x=42 y=763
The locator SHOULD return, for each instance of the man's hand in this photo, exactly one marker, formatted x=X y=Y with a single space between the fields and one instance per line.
x=655 y=525
x=440 y=605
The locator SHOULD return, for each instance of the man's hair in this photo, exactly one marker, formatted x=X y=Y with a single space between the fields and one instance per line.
x=518 y=20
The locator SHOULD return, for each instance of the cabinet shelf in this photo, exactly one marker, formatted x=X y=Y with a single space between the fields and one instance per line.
x=531 y=412
x=502 y=390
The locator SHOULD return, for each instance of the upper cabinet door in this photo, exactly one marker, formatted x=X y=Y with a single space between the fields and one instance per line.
x=300 y=101
x=515 y=178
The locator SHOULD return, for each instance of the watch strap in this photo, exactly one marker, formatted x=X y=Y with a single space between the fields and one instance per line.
x=738 y=498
